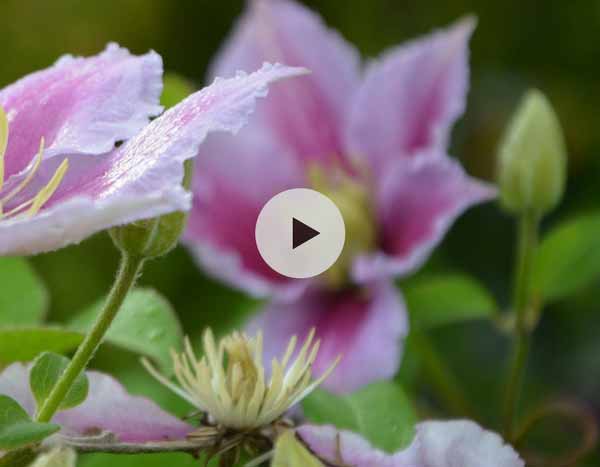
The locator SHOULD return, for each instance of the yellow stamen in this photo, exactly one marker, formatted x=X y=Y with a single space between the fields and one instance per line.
x=3 y=143
x=45 y=193
x=35 y=203
x=36 y=164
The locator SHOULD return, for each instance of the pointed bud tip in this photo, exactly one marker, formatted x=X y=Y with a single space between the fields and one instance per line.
x=532 y=159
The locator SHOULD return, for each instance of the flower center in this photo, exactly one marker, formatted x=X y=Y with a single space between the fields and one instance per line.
x=354 y=202
x=229 y=381
x=33 y=205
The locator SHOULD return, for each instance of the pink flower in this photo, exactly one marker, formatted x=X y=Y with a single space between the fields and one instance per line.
x=108 y=407
x=375 y=142
x=436 y=444
x=61 y=176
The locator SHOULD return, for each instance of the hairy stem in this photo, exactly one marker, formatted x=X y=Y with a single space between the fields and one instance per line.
x=128 y=272
x=527 y=238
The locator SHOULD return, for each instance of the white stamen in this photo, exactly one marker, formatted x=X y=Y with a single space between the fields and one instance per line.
x=229 y=381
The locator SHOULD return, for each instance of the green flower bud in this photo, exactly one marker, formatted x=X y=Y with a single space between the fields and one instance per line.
x=532 y=166
x=155 y=237
x=289 y=452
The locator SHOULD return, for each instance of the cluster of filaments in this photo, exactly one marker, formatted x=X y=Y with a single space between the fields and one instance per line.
x=34 y=204
x=229 y=382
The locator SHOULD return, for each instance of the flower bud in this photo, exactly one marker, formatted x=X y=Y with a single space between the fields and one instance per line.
x=532 y=158
x=155 y=237
x=289 y=451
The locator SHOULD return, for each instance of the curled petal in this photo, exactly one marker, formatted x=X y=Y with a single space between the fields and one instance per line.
x=417 y=202
x=410 y=98
x=365 y=327
x=132 y=419
x=341 y=447
x=142 y=178
x=436 y=444
x=108 y=407
x=464 y=443
x=307 y=115
x=81 y=105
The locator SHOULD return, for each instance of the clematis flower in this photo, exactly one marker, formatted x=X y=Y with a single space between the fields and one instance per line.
x=244 y=410
x=375 y=142
x=61 y=176
x=108 y=407
x=436 y=444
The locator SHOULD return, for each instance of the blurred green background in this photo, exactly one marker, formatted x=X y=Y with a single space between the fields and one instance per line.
x=552 y=44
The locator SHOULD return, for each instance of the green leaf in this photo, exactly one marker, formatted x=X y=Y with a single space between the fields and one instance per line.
x=289 y=452
x=146 y=324
x=25 y=301
x=568 y=258
x=24 y=344
x=46 y=371
x=175 y=89
x=439 y=300
x=381 y=412
x=17 y=429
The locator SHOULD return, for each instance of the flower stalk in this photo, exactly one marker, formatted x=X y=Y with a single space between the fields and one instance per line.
x=128 y=272
x=523 y=302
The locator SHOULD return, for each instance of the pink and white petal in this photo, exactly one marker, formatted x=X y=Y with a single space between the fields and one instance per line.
x=75 y=219
x=109 y=407
x=417 y=201
x=463 y=443
x=341 y=446
x=410 y=98
x=81 y=105
x=14 y=383
x=436 y=444
x=366 y=327
x=142 y=178
x=233 y=178
x=307 y=115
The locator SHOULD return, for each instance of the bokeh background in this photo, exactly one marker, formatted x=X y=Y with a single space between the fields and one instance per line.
x=553 y=45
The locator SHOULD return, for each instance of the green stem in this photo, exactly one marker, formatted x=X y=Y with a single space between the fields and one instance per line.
x=523 y=300
x=128 y=272
x=441 y=378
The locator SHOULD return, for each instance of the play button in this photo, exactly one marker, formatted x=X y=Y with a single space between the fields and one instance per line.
x=300 y=233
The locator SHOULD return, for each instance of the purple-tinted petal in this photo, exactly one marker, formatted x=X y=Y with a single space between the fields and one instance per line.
x=307 y=115
x=460 y=443
x=346 y=448
x=14 y=383
x=365 y=327
x=463 y=443
x=108 y=407
x=417 y=200
x=142 y=178
x=132 y=419
x=410 y=98
x=233 y=178
x=81 y=105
